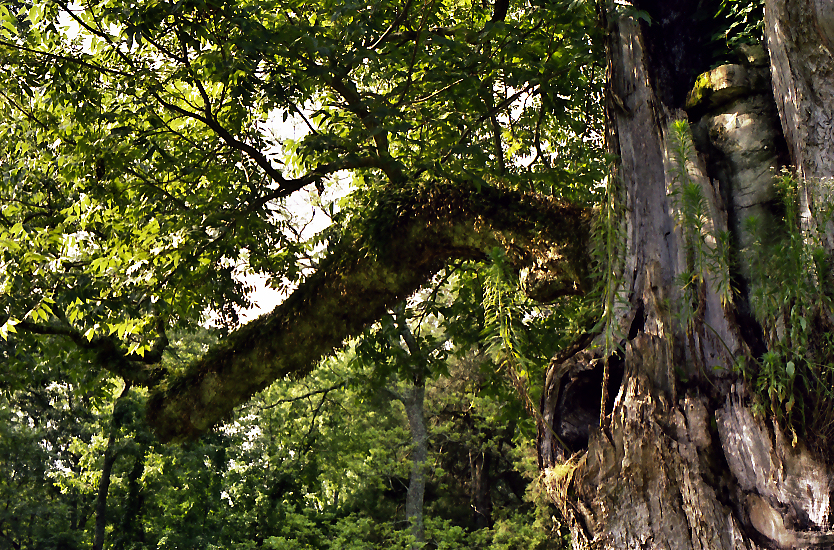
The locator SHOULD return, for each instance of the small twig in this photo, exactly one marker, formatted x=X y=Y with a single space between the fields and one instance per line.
x=433 y=296
x=68 y=59
x=304 y=118
x=492 y=112
x=394 y=24
x=28 y=114
x=150 y=183
x=306 y=439
x=435 y=94
x=426 y=10
x=300 y=397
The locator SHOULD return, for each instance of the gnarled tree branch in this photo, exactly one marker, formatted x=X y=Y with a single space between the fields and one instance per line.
x=397 y=247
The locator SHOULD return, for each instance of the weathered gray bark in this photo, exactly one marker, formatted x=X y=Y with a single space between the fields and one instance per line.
x=741 y=138
x=800 y=39
x=678 y=460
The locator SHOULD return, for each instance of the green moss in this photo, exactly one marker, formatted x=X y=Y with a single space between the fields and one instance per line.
x=700 y=91
x=392 y=247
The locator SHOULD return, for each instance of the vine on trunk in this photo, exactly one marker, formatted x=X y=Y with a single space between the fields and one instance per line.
x=608 y=246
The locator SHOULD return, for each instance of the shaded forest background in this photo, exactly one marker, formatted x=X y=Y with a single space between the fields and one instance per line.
x=318 y=463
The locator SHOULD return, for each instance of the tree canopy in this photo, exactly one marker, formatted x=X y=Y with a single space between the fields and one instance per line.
x=144 y=164
x=154 y=153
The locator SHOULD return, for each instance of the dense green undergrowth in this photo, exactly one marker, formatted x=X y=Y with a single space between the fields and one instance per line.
x=321 y=463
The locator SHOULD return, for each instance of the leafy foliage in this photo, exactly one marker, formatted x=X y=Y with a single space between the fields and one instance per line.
x=318 y=464
x=140 y=165
x=791 y=299
x=743 y=22
x=145 y=163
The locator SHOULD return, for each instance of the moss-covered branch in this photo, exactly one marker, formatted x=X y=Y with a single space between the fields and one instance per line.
x=397 y=247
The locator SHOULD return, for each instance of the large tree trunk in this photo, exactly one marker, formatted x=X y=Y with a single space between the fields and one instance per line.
x=676 y=458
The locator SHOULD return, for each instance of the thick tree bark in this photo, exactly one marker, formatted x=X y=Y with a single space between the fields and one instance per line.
x=677 y=459
x=800 y=39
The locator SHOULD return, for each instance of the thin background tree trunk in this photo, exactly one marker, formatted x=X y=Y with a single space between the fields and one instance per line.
x=481 y=464
x=111 y=454
x=413 y=398
x=419 y=453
